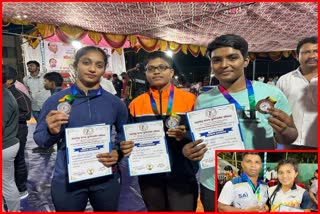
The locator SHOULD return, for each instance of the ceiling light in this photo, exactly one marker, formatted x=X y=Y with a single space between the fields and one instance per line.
x=76 y=44
x=169 y=53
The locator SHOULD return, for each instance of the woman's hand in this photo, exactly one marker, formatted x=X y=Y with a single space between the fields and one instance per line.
x=55 y=119
x=126 y=147
x=109 y=158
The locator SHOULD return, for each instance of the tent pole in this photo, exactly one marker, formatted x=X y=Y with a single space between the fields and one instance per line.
x=265 y=166
x=254 y=70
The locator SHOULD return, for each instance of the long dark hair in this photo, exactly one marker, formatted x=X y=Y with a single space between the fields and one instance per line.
x=292 y=162
x=84 y=50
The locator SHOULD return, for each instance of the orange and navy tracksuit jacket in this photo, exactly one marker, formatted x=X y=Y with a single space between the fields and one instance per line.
x=141 y=111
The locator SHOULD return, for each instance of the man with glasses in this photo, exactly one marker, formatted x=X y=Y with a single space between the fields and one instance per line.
x=177 y=190
x=301 y=88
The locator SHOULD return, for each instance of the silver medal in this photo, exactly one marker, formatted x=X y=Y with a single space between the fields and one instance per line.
x=64 y=107
x=172 y=122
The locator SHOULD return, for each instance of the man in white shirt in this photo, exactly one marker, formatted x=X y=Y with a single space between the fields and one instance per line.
x=268 y=174
x=274 y=174
x=301 y=88
x=34 y=83
x=245 y=192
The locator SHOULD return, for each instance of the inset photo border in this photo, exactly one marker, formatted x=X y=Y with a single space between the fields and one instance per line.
x=266 y=180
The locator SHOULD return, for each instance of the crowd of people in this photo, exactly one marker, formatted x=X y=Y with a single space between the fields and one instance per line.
x=147 y=93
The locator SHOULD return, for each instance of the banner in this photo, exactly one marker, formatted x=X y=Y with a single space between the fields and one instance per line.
x=59 y=57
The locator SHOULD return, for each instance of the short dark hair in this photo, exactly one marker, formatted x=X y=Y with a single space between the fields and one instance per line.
x=34 y=62
x=10 y=73
x=293 y=162
x=251 y=153
x=123 y=74
x=228 y=168
x=114 y=75
x=312 y=40
x=161 y=55
x=54 y=77
x=229 y=40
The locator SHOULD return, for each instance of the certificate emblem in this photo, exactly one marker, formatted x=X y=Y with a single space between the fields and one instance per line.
x=90 y=171
x=211 y=113
x=264 y=104
x=143 y=127
x=64 y=107
x=149 y=166
x=88 y=131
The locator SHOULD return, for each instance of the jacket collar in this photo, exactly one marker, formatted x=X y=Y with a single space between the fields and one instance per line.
x=165 y=92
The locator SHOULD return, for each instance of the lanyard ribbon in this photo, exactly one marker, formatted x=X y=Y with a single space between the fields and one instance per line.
x=75 y=94
x=252 y=100
x=170 y=103
x=256 y=190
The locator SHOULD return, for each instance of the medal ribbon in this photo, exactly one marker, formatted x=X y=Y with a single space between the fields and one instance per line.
x=256 y=190
x=75 y=94
x=252 y=100
x=170 y=102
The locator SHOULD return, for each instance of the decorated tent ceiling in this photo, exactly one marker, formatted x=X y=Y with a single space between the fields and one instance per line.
x=266 y=26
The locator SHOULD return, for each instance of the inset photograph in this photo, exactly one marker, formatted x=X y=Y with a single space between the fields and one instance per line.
x=267 y=181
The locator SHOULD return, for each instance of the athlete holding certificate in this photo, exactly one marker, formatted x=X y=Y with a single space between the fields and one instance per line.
x=263 y=124
x=178 y=189
x=81 y=106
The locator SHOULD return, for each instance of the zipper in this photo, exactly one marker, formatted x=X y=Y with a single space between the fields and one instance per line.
x=160 y=93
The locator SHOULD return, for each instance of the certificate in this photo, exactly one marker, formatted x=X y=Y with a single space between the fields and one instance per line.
x=219 y=128
x=285 y=208
x=83 y=144
x=149 y=154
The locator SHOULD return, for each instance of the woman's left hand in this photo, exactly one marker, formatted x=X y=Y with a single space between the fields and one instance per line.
x=279 y=121
x=108 y=159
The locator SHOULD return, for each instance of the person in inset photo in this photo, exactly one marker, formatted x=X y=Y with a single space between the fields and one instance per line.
x=287 y=192
x=247 y=192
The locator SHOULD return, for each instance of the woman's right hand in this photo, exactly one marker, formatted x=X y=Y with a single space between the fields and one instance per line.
x=55 y=119
x=126 y=147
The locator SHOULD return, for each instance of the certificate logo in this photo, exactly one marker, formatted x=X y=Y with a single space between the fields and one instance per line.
x=90 y=171
x=143 y=127
x=149 y=166
x=88 y=131
x=211 y=113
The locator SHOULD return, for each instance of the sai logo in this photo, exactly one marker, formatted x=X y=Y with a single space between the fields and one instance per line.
x=244 y=195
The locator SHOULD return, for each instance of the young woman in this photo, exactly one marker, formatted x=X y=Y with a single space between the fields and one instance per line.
x=287 y=192
x=90 y=105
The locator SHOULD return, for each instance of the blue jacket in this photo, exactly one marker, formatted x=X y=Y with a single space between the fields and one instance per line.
x=94 y=109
